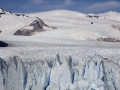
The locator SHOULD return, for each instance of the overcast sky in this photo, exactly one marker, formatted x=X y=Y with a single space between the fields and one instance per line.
x=84 y=6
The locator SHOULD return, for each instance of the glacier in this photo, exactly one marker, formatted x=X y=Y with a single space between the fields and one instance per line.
x=96 y=73
x=37 y=62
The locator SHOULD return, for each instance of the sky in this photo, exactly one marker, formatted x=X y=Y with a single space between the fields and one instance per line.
x=84 y=6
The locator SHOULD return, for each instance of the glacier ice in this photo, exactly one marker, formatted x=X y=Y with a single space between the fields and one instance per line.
x=97 y=73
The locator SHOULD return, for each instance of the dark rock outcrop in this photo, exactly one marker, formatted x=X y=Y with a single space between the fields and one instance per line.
x=20 y=15
x=17 y=14
x=25 y=32
x=108 y=39
x=37 y=27
x=3 y=44
x=54 y=28
x=93 y=16
x=91 y=22
x=10 y=12
x=42 y=23
x=1 y=9
x=116 y=27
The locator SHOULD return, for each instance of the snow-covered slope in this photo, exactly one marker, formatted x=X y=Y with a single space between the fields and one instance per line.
x=111 y=15
x=10 y=23
x=69 y=24
x=75 y=25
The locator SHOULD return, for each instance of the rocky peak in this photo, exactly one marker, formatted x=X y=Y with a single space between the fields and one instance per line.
x=2 y=11
x=37 y=26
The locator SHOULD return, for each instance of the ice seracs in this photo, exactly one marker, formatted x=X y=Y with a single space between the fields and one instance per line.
x=96 y=73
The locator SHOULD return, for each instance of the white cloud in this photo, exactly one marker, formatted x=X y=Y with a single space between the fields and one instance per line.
x=49 y=6
x=103 y=6
x=68 y=2
x=36 y=1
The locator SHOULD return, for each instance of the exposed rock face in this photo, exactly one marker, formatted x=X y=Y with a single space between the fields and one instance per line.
x=25 y=32
x=108 y=39
x=37 y=26
x=92 y=16
x=97 y=73
x=116 y=27
x=1 y=11
x=20 y=15
x=3 y=44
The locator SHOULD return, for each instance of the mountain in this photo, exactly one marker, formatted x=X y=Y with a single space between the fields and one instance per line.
x=62 y=24
x=20 y=24
x=59 y=50
x=111 y=15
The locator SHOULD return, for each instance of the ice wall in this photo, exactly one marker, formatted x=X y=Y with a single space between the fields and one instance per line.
x=96 y=73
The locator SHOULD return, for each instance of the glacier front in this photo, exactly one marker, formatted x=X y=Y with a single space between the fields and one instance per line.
x=96 y=73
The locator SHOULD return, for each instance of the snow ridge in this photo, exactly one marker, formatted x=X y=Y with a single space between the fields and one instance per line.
x=67 y=25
